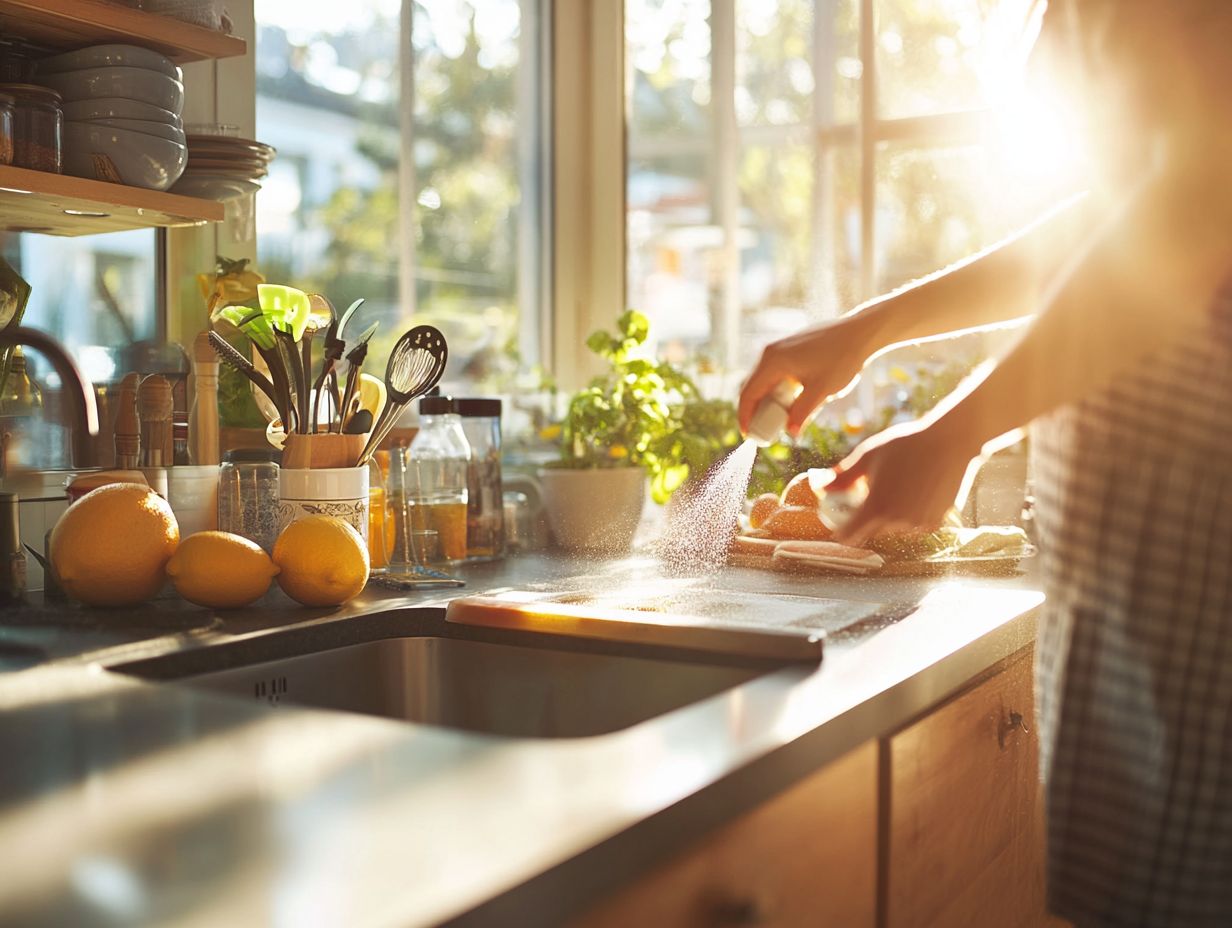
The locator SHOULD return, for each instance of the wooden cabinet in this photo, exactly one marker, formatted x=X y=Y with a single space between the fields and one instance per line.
x=936 y=825
x=55 y=204
x=963 y=817
x=806 y=857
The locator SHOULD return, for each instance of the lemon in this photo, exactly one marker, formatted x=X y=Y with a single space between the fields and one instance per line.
x=371 y=392
x=111 y=546
x=220 y=570
x=322 y=561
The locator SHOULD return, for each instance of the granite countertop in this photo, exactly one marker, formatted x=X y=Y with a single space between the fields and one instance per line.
x=138 y=802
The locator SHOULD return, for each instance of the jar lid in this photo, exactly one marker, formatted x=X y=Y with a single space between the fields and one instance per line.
x=478 y=407
x=438 y=406
x=252 y=456
x=31 y=93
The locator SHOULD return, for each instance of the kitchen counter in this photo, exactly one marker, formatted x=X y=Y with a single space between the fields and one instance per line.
x=136 y=802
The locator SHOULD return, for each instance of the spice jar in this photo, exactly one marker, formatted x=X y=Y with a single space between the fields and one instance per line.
x=485 y=506
x=38 y=123
x=248 y=495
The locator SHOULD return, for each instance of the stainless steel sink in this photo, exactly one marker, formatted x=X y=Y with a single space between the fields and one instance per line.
x=480 y=686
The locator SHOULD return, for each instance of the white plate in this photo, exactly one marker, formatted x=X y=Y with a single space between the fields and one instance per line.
x=119 y=108
x=110 y=56
x=213 y=187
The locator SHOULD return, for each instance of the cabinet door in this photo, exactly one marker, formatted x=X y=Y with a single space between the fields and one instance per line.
x=805 y=858
x=965 y=841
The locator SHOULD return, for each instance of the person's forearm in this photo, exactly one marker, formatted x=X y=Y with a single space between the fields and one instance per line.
x=998 y=285
x=1145 y=281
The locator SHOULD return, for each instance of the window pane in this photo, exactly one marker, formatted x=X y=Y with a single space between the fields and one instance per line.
x=939 y=55
x=936 y=206
x=333 y=217
x=96 y=295
x=793 y=54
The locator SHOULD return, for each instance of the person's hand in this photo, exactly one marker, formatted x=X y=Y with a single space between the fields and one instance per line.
x=823 y=360
x=914 y=473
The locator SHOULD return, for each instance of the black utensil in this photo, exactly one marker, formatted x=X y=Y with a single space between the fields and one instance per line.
x=415 y=366
x=233 y=359
x=355 y=358
x=334 y=346
x=359 y=424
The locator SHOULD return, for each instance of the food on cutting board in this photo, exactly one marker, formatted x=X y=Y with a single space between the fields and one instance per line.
x=800 y=523
x=753 y=546
x=763 y=507
x=111 y=547
x=220 y=570
x=800 y=492
x=825 y=555
x=795 y=531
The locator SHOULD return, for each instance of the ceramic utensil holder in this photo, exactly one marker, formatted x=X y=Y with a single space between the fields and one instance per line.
x=324 y=491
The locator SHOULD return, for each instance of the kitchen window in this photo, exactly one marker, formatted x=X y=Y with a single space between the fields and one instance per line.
x=410 y=170
x=788 y=159
x=96 y=294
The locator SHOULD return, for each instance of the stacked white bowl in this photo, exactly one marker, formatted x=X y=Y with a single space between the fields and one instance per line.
x=122 y=114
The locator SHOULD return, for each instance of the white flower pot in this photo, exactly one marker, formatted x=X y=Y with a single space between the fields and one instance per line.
x=595 y=510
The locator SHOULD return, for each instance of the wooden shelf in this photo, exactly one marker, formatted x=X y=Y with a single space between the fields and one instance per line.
x=34 y=201
x=71 y=24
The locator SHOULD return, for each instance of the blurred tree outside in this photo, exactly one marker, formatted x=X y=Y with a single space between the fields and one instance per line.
x=466 y=179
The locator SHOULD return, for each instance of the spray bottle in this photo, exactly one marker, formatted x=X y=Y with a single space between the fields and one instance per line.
x=770 y=418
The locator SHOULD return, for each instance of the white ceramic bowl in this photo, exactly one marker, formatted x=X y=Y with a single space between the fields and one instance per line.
x=149 y=127
x=110 y=56
x=129 y=83
x=119 y=108
x=118 y=155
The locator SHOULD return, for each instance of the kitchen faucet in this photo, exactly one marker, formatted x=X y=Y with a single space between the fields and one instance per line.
x=78 y=390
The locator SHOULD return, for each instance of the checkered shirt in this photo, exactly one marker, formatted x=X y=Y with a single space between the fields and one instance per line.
x=1133 y=492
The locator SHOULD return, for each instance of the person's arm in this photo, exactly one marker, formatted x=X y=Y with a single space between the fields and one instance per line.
x=997 y=285
x=1144 y=282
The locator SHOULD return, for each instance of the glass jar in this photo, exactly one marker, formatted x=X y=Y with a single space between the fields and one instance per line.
x=6 y=129
x=38 y=124
x=436 y=476
x=485 y=509
x=248 y=495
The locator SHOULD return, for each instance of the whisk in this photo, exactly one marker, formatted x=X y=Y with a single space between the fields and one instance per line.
x=415 y=366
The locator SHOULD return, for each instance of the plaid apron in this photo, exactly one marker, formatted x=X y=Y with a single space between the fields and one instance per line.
x=1133 y=492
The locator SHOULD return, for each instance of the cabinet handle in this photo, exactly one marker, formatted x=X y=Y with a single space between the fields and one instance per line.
x=1008 y=724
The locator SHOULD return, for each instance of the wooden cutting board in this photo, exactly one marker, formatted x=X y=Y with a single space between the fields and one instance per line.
x=754 y=625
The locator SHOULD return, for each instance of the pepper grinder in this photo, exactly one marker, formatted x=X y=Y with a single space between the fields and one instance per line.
x=127 y=431
x=154 y=405
x=12 y=558
x=203 y=420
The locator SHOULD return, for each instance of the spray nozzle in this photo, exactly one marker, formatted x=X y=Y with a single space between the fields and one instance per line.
x=770 y=418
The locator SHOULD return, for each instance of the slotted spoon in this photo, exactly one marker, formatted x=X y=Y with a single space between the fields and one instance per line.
x=415 y=366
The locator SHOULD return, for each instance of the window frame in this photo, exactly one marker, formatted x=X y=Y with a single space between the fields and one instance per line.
x=867 y=135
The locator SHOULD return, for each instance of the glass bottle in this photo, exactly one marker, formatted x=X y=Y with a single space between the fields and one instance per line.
x=485 y=509
x=248 y=495
x=436 y=477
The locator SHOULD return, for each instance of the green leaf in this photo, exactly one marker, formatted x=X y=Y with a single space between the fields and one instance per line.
x=634 y=326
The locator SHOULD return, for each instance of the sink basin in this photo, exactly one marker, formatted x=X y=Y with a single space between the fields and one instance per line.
x=481 y=686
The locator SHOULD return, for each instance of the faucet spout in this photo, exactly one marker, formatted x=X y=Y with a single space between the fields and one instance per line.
x=77 y=388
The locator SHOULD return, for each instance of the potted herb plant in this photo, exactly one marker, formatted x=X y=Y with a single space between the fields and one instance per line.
x=641 y=422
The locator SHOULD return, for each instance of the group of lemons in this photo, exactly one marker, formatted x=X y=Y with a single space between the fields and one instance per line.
x=118 y=544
